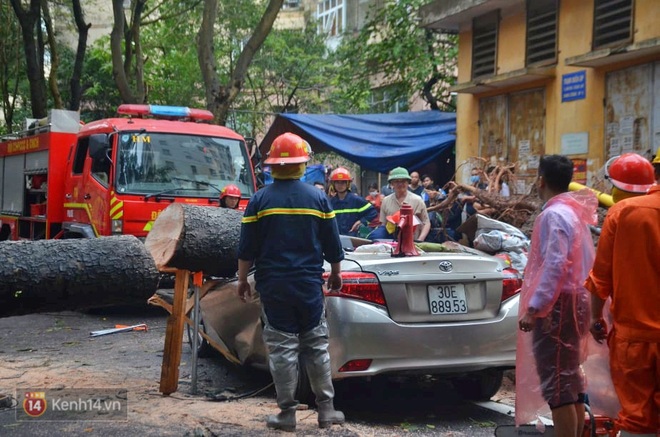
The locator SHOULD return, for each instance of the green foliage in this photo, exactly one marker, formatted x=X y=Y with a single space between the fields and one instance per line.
x=14 y=86
x=100 y=95
x=171 y=69
x=392 y=50
x=293 y=71
x=289 y=74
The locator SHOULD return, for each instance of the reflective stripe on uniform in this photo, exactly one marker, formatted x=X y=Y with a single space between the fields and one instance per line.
x=353 y=210
x=289 y=211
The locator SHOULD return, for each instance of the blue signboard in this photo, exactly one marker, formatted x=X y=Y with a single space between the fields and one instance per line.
x=574 y=86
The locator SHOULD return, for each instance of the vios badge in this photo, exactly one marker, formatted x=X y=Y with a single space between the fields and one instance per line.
x=446 y=266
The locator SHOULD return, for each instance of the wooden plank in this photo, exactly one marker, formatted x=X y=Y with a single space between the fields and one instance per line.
x=169 y=376
x=159 y=301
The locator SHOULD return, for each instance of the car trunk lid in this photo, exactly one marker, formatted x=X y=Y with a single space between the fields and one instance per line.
x=437 y=288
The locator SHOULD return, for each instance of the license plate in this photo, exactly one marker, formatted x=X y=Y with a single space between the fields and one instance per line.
x=447 y=299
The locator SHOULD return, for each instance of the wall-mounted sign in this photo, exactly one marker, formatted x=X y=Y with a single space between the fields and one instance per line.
x=574 y=86
x=580 y=171
x=575 y=143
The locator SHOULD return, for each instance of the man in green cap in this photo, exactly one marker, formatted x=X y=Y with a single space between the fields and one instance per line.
x=399 y=178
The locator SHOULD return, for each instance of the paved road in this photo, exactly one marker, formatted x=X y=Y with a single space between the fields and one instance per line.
x=55 y=351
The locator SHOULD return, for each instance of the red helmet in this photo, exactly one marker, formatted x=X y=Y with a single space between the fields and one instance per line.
x=230 y=190
x=288 y=148
x=630 y=172
x=340 y=174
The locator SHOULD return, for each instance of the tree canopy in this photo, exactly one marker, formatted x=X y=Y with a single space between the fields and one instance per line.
x=392 y=51
x=221 y=54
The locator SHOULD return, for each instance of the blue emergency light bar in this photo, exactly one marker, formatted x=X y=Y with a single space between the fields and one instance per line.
x=165 y=112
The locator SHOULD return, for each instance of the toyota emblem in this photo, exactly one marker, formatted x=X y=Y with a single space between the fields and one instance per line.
x=446 y=266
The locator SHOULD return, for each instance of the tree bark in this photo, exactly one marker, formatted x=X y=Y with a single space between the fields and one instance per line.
x=55 y=275
x=83 y=31
x=54 y=58
x=196 y=238
x=122 y=54
x=29 y=19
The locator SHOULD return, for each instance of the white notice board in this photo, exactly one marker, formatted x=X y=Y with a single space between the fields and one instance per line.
x=575 y=143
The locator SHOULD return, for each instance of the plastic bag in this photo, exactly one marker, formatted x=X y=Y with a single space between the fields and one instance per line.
x=602 y=397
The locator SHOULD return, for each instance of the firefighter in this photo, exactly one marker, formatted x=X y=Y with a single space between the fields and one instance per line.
x=351 y=210
x=626 y=270
x=230 y=196
x=287 y=231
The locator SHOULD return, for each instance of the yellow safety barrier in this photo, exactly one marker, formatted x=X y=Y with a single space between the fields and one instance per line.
x=605 y=200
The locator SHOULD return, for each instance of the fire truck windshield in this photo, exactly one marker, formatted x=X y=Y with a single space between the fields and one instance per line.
x=149 y=163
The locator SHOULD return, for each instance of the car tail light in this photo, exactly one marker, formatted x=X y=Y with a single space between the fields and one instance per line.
x=511 y=283
x=356 y=366
x=359 y=285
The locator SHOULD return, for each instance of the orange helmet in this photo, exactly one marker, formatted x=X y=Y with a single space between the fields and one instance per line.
x=630 y=172
x=230 y=190
x=340 y=174
x=288 y=148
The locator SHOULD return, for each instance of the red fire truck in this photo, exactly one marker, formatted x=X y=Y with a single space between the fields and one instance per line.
x=64 y=179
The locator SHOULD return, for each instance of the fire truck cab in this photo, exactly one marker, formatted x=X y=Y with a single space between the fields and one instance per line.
x=64 y=179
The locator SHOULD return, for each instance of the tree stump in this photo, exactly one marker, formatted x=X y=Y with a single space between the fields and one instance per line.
x=73 y=274
x=196 y=238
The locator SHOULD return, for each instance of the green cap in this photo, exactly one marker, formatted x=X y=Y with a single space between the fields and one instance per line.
x=398 y=173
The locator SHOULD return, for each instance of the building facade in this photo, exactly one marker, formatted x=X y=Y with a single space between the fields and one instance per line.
x=535 y=77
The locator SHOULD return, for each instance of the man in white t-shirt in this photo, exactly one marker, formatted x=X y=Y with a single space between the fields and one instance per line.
x=400 y=179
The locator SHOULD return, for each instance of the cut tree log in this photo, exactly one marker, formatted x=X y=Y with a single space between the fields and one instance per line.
x=196 y=238
x=74 y=274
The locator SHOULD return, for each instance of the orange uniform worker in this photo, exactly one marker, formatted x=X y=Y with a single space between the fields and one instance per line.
x=627 y=270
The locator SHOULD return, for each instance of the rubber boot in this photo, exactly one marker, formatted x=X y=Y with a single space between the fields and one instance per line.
x=314 y=349
x=285 y=420
x=283 y=363
x=328 y=416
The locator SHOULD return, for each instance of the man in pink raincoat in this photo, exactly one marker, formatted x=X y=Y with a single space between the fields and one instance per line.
x=554 y=306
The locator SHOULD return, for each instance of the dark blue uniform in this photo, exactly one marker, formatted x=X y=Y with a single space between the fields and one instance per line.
x=288 y=229
x=350 y=210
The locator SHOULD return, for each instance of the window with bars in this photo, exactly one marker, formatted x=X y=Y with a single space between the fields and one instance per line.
x=613 y=21
x=331 y=14
x=541 y=39
x=387 y=99
x=484 y=44
x=291 y=4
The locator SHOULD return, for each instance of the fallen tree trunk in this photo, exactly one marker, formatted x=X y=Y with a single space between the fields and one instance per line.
x=73 y=274
x=196 y=238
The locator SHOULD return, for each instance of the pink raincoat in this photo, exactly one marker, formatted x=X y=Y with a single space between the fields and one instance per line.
x=561 y=255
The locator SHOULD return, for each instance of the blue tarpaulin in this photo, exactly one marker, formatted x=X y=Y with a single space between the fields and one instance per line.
x=376 y=142
x=313 y=174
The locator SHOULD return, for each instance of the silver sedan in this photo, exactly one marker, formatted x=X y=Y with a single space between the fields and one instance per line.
x=452 y=314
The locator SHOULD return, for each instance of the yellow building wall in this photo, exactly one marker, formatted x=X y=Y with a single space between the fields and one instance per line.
x=574 y=39
x=647 y=19
x=467 y=112
x=510 y=44
x=585 y=115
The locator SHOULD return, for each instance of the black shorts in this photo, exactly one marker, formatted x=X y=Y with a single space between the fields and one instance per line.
x=557 y=350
